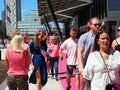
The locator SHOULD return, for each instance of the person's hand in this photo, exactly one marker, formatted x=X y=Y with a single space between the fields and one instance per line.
x=61 y=56
x=50 y=50
x=80 y=70
x=32 y=67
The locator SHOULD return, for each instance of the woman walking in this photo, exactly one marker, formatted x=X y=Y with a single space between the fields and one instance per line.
x=39 y=74
x=17 y=64
x=103 y=64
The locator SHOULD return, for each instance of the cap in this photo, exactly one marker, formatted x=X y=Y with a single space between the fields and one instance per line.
x=25 y=37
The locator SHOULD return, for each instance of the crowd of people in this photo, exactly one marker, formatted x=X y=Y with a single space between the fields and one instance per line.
x=92 y=55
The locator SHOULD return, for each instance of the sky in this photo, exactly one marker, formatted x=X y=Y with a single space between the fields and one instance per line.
x=26 y=6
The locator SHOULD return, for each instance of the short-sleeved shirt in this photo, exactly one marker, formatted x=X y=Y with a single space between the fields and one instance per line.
x=86 y=41
x=70 y=46
x=55 y=49
x=95 y=69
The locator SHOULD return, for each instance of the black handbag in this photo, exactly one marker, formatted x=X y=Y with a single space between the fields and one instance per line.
x=109 y=86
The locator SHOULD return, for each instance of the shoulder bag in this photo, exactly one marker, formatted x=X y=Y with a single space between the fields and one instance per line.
x=109 y=86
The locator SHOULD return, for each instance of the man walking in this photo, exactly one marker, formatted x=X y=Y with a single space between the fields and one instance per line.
x=85 y=45
x=70 y=45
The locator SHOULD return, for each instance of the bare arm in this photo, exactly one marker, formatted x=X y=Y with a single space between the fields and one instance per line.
x=60 y=53
x=84 y=81
x=80 y=58
x=114 y=44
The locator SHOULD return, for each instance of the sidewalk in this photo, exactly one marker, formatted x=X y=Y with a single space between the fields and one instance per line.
x=52 y=84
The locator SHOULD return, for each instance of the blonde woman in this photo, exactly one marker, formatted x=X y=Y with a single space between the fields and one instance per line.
x=39 y=74
x=53 y=50
x=17 y=64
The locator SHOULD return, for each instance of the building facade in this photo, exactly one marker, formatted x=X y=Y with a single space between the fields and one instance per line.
x=30 y=24
x=13 y=14
x=2 y=30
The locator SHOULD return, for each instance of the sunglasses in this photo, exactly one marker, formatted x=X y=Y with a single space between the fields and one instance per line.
x=118 y=29
x=99 y=24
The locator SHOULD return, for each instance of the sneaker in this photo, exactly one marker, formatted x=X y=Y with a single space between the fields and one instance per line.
x=56 y=78
x=68 y=88
x=52 y=77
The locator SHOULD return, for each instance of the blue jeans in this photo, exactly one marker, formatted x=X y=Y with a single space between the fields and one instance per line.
x=88 y=87
x=54 y=65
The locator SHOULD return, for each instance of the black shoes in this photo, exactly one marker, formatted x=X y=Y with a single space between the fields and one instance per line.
x=68 y=88
x=56 y=78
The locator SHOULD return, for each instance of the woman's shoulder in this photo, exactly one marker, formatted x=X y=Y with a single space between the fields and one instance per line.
x=94 y=52
x=116 y=41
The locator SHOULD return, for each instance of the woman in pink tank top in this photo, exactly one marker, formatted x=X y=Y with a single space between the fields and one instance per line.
x=17 y=64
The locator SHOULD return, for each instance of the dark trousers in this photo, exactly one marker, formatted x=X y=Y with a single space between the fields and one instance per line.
x=54 y=66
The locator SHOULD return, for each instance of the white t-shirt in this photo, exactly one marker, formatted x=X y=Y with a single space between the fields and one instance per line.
x=95 y=70
x=70 y=46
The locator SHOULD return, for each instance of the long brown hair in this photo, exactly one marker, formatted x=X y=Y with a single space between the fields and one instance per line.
x=36 y=39
x=101 y=31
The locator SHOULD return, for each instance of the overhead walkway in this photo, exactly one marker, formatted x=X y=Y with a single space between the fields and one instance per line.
x=59 y=11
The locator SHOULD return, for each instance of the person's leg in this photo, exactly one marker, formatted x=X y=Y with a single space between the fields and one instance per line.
x=38 y=78
x=22 y=82
x=52 y=67
x=11 y=82
x=68 y=78
x=83 y=83
x=77 y=78
x=48 y=67
x=88 y=86
x=56 y=68
x=77 y=82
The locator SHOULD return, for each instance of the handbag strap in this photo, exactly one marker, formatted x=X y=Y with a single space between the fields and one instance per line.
x=106 y=68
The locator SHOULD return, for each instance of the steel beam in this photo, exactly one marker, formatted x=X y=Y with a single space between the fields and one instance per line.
x=47 y=24
x=49 y=4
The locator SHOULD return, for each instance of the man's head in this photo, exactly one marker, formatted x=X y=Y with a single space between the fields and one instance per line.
x=73 y=32
x=95 y=24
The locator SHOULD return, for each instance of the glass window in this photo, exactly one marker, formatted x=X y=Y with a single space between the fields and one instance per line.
x=114 y=5
x=112 y=23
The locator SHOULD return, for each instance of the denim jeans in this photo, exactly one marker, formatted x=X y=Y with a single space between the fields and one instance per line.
x=88 y=87
x=54 y=66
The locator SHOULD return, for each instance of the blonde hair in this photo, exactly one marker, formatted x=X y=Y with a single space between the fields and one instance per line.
x=17 y=42
x=36 y=40
x=15 y=32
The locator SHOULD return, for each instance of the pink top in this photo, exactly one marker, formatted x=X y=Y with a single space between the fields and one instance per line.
x=53 y=50
x=16 y=61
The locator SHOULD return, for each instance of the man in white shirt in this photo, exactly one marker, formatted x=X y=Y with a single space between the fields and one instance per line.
x=70 y=46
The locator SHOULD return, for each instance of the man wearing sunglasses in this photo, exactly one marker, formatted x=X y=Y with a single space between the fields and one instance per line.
x=85 y=45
